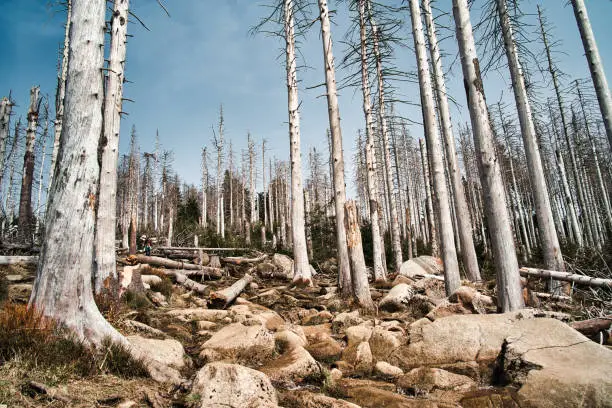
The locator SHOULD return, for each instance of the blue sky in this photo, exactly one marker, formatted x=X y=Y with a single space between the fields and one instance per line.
x=203 y=56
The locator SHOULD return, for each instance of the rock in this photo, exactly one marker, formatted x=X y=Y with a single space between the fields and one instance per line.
x=402 y=279
x=123 y=404
x=424 y=380
x=422 y=266
x=231 y=385
x=237 y=342
x=141 y=327
x=346 y=319
x=205 y=325
x=20 y=292
x=397 y=298
x=318 y=318
x=490 y=398
x=323 y=347
x=187 y=315
x=430 y=287
x=471 y=299
x=358 y=334
x=169 y=352
x=335 y=374
x=557 y=366
x=446 y=309
x=265 y=270
x=150 y=279
x=387 y=371
x=293 y=366
x=359 y=357
x=553 y=364
x=287 y=339
x=15 y=278
x=383 y=342
x=376 y=394
x=253 y=286
x=163 y=358
x=284 y=263
x=306 y=399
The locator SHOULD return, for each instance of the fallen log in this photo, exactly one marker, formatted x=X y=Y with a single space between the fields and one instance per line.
x=183 y=280
x=550 y=296
x=205 y=272
x=159 y=261
x=13 y=260
x=236 y=260
x=592 y=327
x=221 y=299
x=203 y=249
x=566 y=277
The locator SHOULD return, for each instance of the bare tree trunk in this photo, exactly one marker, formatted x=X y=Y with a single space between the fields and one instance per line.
x=359 y=274
x=107 y=195
x=301 y=268
x=204 y=213
x=27 y=178
x=377 y=242
x=464 y=230
x=252 y=178
x=344 y=270
x=308 y=222
x=43 y=142
x=6 y=107
x=504 y=255
x=595 y=65
x=170 y=227
x=63 y=286
x=395 y=233
x=447 y=239
x=60 y=95
x=431 y=221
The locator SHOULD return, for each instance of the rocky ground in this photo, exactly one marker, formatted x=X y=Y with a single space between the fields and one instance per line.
x=278 y=346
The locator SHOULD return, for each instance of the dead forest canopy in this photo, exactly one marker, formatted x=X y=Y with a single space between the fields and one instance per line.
x=513 y=207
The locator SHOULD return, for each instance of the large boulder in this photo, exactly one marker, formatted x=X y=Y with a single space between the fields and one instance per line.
x=383 y=342
x=422 y=266
x=424 y=380
x=292 y=367
x=230 y=385
x=346 y=319
x=163 y=358
x=471 y=299
x=197 y=314
x=553 y=364
x=284 y=263
x=240 y=343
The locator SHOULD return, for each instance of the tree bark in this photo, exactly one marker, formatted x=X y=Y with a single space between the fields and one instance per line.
x=431 y=221
x=468 y=251
x=222 y=299
x=359 y=274
x=447 y=239
x=395 y=232
x=301 y=267
x=344 y=270
x=595 y=65
x=567 y=277
x=105 y=261
x=6 y=107
x=377 y=242
x=508 y=280
x=63 y=286
x=27 y=178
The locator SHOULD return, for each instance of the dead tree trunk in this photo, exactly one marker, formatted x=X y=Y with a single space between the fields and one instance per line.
x=301 y=267
x=468 y=252
x=595 y=65
x=63 y=286
x=27 y=178
x=359 y=273
x=6 y=107
x=344 y=270
x=502 y=243
x=377 y=242
x=431 y=221
x=222 y=299
x=109 y=146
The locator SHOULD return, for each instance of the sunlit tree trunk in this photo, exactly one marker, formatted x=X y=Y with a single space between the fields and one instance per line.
x=301 y=268
x=595 y=65
x=464 y=230
x=431 y=221
x=504 y=255
x=6 y=107
x=386 y=157
x=63 y=286
x=377 y=242
x=447 y=239
x=109 y=146
x=344 y=270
